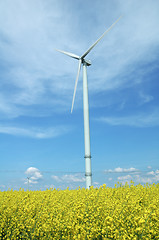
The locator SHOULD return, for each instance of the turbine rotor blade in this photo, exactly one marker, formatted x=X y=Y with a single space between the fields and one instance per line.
x=100 y=38
x=78 y=72
x=69 y=54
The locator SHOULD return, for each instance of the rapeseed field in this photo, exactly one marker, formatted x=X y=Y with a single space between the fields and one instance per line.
x=123 y=212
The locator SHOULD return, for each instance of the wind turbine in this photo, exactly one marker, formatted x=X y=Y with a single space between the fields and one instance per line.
x=85 y=62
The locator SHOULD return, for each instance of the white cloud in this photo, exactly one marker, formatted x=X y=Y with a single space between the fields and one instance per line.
x=31 y=181
x=69 y=178
x=38 y=133
x=33 y=171
x=33 y=175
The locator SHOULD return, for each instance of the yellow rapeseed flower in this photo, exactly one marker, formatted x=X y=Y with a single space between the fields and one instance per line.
x=123 y=212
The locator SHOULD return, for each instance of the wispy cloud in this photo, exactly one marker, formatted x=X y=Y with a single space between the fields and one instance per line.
x=148 y=178
x=122 y=170
x=138 y=120
x=29 y=75
x=69 y=178
x=153 y=172
x=39 y=133
x=136 y=175
x=149 y=167
x=127 y=177
x=33 y=73
x=145 y=98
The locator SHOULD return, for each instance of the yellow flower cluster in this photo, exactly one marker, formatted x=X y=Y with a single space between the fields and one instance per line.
x=123 y=212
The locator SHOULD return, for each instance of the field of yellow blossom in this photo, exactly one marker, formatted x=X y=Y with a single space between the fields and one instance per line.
x=123 y=212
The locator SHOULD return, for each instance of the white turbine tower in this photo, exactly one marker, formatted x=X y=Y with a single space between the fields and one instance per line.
x=85 y=62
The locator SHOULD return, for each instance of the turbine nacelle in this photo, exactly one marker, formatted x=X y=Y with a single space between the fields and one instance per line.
x=88 y=62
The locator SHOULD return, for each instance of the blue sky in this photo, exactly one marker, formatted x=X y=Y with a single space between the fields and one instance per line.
x=39 y=137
